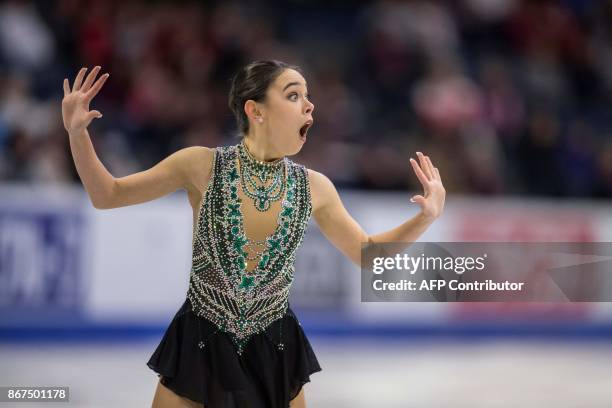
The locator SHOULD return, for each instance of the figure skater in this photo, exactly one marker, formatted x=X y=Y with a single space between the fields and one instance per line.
x=235 y=342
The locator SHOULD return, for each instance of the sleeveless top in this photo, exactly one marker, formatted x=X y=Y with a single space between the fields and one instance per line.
x=238 y=302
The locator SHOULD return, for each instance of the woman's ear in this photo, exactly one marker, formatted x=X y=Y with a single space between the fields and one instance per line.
x=252 y=110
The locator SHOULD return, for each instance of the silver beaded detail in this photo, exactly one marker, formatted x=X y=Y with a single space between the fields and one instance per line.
x=240 y=302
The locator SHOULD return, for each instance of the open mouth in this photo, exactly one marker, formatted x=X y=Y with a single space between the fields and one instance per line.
x=304 y=129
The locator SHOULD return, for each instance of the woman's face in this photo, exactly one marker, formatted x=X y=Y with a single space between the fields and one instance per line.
x=287 y=113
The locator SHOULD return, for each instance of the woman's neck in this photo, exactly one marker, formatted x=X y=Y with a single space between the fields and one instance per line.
x=259 y=151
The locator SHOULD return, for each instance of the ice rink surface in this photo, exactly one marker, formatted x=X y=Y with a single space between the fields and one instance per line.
x=356 y=373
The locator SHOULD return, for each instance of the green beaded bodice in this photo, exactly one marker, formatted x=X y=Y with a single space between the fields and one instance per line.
x=238 y=301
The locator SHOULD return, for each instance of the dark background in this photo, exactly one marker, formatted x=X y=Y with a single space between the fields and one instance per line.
x=507 y=97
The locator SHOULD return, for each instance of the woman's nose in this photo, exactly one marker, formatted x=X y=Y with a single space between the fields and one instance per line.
x=309 y=106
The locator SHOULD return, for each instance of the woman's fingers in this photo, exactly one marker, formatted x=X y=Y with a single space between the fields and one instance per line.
x=434 y=170
x=432 y=201
x=94 y=114
x=96 y=87
x=431 y=167
x=66 y=87
x=428 y=168
x=90 y=78
x=437 y=174
x=419 y=173
x=424 y=165
x=419 y=199
x=79 y=78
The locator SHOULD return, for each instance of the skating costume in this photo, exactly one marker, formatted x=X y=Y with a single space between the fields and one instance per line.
x=235 y=342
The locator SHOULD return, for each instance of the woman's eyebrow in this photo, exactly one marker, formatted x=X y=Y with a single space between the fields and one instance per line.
x=291 y=83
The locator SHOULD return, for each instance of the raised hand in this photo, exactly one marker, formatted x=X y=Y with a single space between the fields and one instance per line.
x=432 y=203
x=75 y=105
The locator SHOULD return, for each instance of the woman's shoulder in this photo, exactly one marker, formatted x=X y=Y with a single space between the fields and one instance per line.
x=316 y=178
x=198 y=163
x=198 y=157
x=321 y=188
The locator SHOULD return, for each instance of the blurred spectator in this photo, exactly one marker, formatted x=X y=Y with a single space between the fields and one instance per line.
x=25 y=41
x=507 y=96
x=445 y=98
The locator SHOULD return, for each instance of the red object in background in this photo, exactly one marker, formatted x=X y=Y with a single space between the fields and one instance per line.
x=512 y=226
x=508 y=225
x=96 y=36
x=448 y=103
x=521 y=312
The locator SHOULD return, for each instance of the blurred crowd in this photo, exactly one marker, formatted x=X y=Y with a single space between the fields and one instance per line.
x=506 y=96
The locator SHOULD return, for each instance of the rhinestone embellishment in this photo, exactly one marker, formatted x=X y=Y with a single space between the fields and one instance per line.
x=237 y=301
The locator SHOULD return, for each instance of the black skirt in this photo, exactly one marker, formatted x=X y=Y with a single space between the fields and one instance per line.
x=200 y=362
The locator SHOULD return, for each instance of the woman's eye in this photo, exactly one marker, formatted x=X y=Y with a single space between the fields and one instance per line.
x=308 y=96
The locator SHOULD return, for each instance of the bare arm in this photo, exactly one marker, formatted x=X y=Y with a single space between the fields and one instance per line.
x=98 y=182
x=179 y=170
x=76 y=116
x=347 y=235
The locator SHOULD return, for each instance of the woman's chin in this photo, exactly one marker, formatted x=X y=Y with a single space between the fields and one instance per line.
x=292 y=146
x=295 y=149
